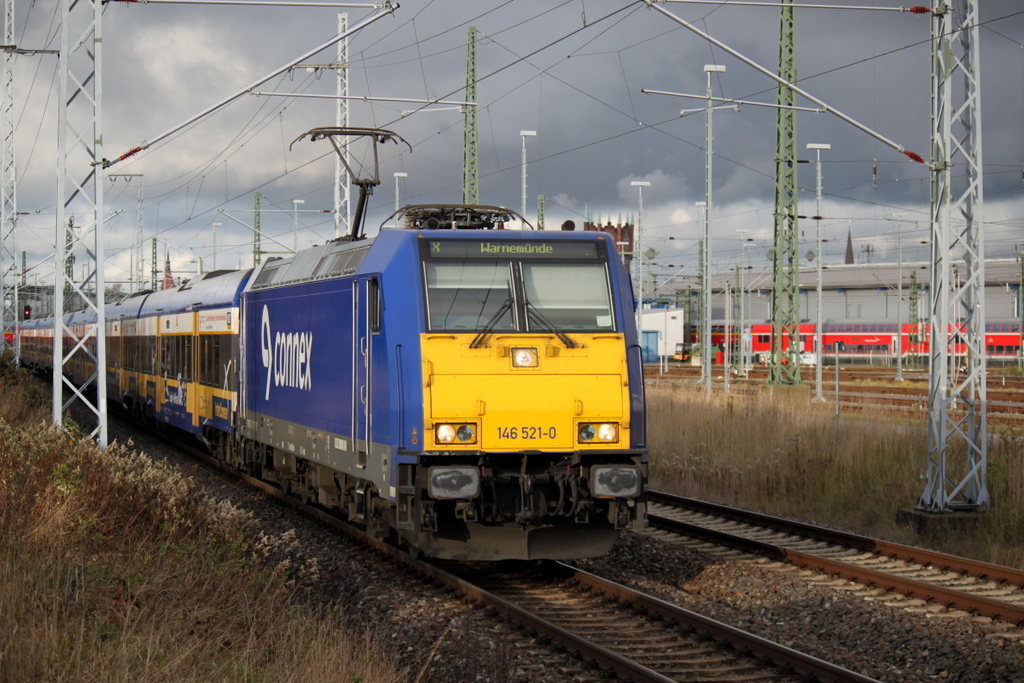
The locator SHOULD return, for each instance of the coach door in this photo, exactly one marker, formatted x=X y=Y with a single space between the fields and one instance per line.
x=365 y=294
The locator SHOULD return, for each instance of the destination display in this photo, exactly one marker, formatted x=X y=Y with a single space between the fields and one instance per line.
x=532 y=249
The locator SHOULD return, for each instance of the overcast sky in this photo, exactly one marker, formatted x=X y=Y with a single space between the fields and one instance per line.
x=572 y=71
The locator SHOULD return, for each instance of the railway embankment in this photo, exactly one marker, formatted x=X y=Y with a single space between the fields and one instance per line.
x=115 y=567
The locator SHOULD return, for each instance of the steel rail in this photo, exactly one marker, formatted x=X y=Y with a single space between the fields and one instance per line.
x=948 y=597
x=800 y=662
x=984 y=570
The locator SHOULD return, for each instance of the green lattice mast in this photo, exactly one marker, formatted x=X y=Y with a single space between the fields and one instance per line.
x=470 y=174
x=914 y=336
x=786 y=274
x=257 y=247
x=154 y=259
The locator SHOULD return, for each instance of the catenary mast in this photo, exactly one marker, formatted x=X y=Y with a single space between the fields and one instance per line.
x=8 y=189
x=784 y=364
x=470 y=172
x=957 y=420
x=80 y=193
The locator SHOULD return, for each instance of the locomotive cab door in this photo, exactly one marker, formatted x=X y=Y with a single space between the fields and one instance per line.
x=366 y=321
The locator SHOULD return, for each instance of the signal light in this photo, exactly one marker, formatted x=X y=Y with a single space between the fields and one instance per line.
x=26 y=314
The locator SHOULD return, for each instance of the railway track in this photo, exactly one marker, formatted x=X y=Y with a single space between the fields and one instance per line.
x=641 y=637
x=620 y=630
x=927 y=579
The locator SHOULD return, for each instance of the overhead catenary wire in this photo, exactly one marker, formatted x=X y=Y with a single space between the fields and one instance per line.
x=913 y=156
x=576 y=147
x=386 y=10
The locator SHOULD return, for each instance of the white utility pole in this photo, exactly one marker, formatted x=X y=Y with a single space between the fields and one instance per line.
x=899 y=302
x=398 y=174
x=525 y=134
x=819 y=396
x=706 y=355
x=295 y=225
x=135 y=273
x=638 y=256
x=744 y=332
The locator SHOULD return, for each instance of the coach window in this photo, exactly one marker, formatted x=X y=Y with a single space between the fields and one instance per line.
x=168 y=356
x=186 y=358
x=207 y=359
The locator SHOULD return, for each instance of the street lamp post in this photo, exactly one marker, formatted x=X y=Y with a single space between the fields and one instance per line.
x=706 y=355
x=525 y=134
x=637 y=251
x=398 y=174
x=295 y=224
x=819 y=397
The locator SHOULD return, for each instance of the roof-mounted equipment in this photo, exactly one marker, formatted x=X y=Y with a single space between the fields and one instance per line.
x=365 y=184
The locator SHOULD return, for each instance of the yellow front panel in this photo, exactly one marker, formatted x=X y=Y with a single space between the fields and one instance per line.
x=530 y=408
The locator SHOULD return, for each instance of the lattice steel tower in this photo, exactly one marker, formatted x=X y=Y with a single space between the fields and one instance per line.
x=784 y=365
x=257 y=236
x=914 y=331
x=470 y=173
x=9 y=209
x=342 y=181
x=957 y=420
x=80 y=166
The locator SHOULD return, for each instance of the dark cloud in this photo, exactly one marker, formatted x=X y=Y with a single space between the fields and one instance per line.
x=573 y=71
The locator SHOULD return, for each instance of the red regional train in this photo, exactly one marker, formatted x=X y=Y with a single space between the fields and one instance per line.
x=864 y=341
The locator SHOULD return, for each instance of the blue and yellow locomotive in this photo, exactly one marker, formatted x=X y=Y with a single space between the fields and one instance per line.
x=473 y=392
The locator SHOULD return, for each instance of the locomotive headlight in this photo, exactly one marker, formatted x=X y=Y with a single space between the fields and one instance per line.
x=453 y=482
x=614 y=481
x=587 y=432
x=444 y=433
x=524 y=357
x=606 y=432
x=450 y=433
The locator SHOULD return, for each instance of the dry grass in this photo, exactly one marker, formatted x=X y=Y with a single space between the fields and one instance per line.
x=795 y=459
x=22 y=399
x=114 y=568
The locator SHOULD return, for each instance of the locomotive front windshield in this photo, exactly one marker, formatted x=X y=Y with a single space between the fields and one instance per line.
x=542 y=286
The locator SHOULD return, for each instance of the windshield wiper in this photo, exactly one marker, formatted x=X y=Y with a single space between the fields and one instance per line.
x=478 y=340
x=547 y=325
